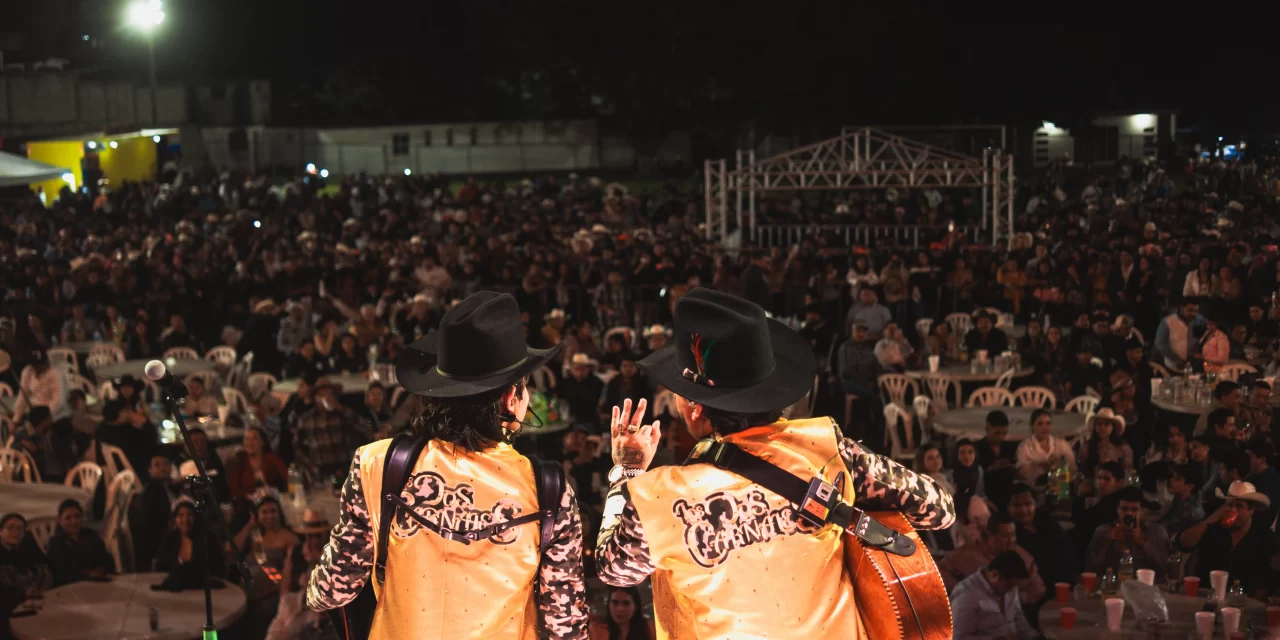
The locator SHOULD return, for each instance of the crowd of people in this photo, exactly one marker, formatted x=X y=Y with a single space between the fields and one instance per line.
x=1113 y=270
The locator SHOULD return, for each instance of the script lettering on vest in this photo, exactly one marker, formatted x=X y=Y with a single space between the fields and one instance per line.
x=722 y=522
x=452 y=507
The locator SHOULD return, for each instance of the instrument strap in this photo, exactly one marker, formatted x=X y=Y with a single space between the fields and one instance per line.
x=401 y=456
x=854 y=521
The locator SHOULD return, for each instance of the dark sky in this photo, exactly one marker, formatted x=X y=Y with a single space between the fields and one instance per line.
x=780 y=60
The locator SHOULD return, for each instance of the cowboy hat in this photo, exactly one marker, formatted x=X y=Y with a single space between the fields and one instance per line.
x=1241 y=490
x=727 y=355
x=656 y=330
x=477 y=349
x=582 y=360
x=554 y=313
x=1106 y=413
x=313 y=523
x=265 y=306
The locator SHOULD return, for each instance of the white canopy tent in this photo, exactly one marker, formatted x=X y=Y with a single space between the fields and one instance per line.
x=17 y=170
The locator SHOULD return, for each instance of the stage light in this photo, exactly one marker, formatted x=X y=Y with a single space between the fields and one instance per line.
x=257 y=224
x=1049 y=126
x=70 y=179
x=407 y=171
x=324 y=173
x=155 y=139
x=93 y=145
x=146 y=15
x=114 y=144
x=311 y=167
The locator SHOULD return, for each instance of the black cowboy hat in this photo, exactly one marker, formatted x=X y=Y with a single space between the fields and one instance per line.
x=727 y=355
x=478 y=348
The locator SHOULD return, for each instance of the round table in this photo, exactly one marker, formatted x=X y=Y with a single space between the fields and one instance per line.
x=962 y=373
x=137 y=368
x=38 y=500
x=1091 y=618
x=83 y=347
x=218 y=433
x=351 y=384
x=121 y=609
x=971 y=422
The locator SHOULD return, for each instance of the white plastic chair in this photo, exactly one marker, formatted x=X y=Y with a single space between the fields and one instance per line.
x=222 y=356
x=5 y=361
x=1082 y=405
x=6 y=391
x=150 y=390
x=181 y=353
x=893 y=388
x=1005 y=380
x=96 y=361
x=627 y=332
x=209 y=377
x=1232 y=371
x=116 y=461
x=960 y=323
x=384 y=372
x=59 y=356
x=239 y=376
x=543 y=379
x=991 y=397
x=41 y=529
x=901 y=448
x=109 y=351
x=924 y=326
x=235 y=401
x=396 y=394
x=125 y=481
x=85 y=475
x=939 y=387
x=1089 y=391
x=16 y=464
x=923 y=407
x=261 y=383
x=76 y=381
x=6 y=431
x=1041 y=397
x=107 y=391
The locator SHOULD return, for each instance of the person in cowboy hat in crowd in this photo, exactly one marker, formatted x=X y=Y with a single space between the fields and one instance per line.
x=1104 y=442
x=733 y=372
x=471 y=376
x=582 y=391
x=655 y=337
x=294 y=621
x=1231 y=539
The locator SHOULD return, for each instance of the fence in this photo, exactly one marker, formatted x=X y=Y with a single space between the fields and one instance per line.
x=785 y=235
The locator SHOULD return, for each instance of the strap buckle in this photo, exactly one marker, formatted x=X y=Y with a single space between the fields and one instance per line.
x=722 y=456
x=456 y=536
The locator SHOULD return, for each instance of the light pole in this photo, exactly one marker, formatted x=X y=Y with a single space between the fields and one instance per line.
x=146 y=16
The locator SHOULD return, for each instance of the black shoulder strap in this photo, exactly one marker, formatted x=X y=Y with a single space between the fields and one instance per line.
x=799 y=493
x=548 y=478
x=397 y=465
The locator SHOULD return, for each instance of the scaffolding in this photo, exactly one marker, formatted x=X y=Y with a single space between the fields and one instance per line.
x=859 y=158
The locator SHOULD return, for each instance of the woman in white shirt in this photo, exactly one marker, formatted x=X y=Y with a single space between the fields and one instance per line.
x=1043 y=450
x=42 y=385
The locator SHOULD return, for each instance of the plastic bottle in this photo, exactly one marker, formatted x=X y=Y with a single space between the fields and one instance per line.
x=1175 y=572
x=1235 y=595
x=1109 y=585
x=1126 y=566
x=1064 y=481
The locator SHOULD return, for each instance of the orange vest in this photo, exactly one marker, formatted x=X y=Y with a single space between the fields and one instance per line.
x=436 y=588
x=731 y=559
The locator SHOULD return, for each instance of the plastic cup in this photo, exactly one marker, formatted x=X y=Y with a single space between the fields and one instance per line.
x=1068 y=618
x=1147 y=577
x=1192 y=585
x=1218 y=580
x=1204 y=623
x=934 y=363
x=1089 y=580
x=1230 y=620
x=982 y=355
x=1115 y=613
x=1063 y=591
x=1273 y=617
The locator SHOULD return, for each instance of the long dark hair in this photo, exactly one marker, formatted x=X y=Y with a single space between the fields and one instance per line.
x=471 y=422
x=637 y=628
x=725 y=423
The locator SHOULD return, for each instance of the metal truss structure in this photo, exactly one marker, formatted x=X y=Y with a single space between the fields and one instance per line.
x=859 y=158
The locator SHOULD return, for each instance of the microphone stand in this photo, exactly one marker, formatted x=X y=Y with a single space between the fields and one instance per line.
x=202 y=488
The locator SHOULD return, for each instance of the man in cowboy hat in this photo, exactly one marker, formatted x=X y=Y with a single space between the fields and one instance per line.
x=708 y=534
x=1231 y=539
x=459 y=575
x=582 y=391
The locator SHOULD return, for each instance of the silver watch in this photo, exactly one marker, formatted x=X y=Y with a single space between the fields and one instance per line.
x=619 y=473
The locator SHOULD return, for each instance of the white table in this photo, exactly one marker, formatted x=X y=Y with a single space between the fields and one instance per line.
x=137 y=368
x=971 y=422
x=82 y=347
x=121 y=608
x=351 y=384
x=1091 y=618
x=962 y=373
x=39 y=500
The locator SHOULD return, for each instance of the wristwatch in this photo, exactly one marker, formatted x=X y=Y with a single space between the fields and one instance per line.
x=619 y=473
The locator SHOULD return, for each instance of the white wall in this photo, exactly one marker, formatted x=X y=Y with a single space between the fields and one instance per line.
x=54 y=103
x=1138 y=133
x=1051 y=143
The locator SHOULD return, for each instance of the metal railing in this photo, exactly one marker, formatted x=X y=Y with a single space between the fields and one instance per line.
x=914 y=235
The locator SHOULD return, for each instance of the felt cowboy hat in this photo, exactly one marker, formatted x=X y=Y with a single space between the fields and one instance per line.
x=478 y=348
x=583 y=360
x=727 y=355
x=313 y=523
x=1241 y=490
x=1107 y=413
x=656 y=330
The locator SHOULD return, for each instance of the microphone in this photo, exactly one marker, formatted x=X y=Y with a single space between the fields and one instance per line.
x=159 y=374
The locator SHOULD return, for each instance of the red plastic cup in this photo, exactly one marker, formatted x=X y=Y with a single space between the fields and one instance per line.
x=1068 y=618
x=1273 y=617
x=1192 y=585
x=1089 y=580
x=1063 y=591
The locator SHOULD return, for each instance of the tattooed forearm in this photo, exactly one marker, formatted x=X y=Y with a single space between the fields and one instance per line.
x=628 y=456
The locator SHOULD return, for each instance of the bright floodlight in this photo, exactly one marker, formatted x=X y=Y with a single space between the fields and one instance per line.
x=93 y=145
x=70 y=179
x=156 y=139
x=407 y=171
x=146 y=14
x=114 y=144
x=324 y=173
x=311 y=167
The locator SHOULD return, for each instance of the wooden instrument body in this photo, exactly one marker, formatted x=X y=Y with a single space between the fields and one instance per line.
x=899 y=597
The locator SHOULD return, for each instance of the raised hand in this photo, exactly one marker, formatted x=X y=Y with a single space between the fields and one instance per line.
x=634 y=445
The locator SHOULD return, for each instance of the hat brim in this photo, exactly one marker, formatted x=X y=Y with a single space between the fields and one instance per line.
x=313 y=530
x=416 y=371
x=1255 y=497
x=792 y=377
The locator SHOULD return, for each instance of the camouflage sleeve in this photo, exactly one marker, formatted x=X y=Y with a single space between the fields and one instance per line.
x=622 y=552
x=562 y=591
x=881 y=483
x=348 y=558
